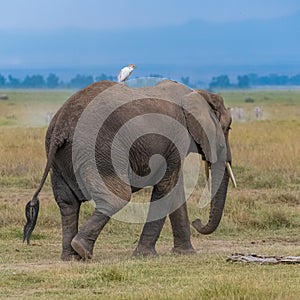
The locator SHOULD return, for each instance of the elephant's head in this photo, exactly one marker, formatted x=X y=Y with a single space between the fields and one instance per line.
x=208 y=122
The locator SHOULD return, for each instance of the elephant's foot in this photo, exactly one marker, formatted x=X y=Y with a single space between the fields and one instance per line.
x=83 y=243
x=143 y=251
x=183 y=247
x=184 y=251
x=83 y=247
x=70 y=256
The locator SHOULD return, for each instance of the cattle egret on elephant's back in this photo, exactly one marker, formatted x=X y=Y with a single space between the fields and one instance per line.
x=125 y=73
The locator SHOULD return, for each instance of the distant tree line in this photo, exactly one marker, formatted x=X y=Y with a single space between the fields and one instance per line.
x=52 y=81
x=246 y=81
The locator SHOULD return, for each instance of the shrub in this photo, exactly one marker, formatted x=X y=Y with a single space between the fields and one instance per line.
x=249 y=100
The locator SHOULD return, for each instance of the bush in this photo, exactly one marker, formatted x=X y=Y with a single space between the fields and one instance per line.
x=249 y=100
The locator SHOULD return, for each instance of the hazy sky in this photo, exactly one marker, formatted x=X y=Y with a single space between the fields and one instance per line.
x=118 y=14
x=44 y=33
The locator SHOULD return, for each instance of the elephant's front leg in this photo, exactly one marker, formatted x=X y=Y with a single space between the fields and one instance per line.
x=152 y=228
x=170 y=196
x=181 y=231
x=149 y=237
x=180 y=221
x=162 y=202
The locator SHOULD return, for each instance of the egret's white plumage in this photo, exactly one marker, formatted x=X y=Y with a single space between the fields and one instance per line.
x=125 y=73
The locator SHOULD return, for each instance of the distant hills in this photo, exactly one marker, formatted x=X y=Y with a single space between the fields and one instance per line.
x=197 y=49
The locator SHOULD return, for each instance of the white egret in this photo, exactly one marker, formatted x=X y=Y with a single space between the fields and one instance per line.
x=125 y=73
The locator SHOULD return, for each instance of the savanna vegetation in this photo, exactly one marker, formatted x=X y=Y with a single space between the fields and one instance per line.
x=262 y=216
x=52 y=81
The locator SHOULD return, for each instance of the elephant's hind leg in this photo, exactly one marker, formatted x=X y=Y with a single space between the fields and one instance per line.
x=107 y=204
x=83 y=243
x=69 y=207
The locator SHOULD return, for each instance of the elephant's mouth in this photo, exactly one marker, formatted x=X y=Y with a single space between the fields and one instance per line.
x=229 y=170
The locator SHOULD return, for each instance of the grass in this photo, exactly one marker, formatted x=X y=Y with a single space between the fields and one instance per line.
x=267 y=153
x=166 y=277
x=28 y=108
x=262 y=216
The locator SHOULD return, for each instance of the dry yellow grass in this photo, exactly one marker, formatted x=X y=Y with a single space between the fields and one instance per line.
x=270 y=148
x=267 y=148
x=28 y=108
x=22 y=156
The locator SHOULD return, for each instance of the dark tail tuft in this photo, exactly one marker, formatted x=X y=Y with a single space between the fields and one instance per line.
x=31 y=212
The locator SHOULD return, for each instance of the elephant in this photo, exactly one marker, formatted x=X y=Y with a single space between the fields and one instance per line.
x=157 y=127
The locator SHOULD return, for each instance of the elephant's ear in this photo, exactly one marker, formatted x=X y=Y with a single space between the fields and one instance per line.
x=213 y=100
x=204 y=126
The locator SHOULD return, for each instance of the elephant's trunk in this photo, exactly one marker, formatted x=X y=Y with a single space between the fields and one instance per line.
x=220 y=178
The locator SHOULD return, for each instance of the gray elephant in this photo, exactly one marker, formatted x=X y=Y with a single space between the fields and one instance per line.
x=108 y=141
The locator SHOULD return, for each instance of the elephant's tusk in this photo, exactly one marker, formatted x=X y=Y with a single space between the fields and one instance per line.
x=231 y=174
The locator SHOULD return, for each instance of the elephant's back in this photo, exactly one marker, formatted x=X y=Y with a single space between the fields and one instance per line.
x=63 y=123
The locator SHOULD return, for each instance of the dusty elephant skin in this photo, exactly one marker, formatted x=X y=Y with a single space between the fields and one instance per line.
x=70 y=150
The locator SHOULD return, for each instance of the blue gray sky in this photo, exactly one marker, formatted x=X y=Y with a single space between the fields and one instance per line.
x=172 y=37
x=122 y=14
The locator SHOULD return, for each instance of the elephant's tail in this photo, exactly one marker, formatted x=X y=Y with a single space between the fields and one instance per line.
x=32 y=207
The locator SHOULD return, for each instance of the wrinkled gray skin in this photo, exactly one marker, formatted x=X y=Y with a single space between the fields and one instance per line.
x=69 y=193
